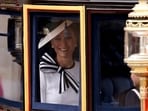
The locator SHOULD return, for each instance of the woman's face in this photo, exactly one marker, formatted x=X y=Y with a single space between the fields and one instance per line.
x=64 y=46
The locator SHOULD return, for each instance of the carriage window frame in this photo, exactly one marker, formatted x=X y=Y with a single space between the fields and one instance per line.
x=94 y=71
x=29 y=49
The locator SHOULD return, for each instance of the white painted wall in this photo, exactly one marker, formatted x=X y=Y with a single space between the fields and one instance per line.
x=10 y=72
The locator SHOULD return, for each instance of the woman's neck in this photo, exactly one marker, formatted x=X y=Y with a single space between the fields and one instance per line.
x=65 y=62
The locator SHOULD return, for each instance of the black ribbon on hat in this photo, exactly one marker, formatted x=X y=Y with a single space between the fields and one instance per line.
x=66 y=80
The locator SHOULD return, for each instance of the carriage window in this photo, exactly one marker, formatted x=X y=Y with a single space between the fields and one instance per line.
x=53 y=54
x=117 y=81
x=118 y=87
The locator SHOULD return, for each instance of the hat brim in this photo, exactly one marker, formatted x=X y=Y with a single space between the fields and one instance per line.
x=54 y=33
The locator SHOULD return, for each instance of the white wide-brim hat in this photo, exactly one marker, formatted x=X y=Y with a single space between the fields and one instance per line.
x=54 y=33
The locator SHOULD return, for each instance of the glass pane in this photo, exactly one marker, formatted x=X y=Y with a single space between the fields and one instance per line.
x=136 y=45
x=117 y=83
x=59 y=55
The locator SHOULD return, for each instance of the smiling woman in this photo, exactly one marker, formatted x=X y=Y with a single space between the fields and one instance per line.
x=59 y=70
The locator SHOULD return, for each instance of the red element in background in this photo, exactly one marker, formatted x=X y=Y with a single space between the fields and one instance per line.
x=1 y=89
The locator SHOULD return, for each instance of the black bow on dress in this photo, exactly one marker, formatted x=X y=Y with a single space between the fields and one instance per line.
x=66 y=80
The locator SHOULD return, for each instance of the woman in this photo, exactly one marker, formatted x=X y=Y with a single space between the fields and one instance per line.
x=59 y=75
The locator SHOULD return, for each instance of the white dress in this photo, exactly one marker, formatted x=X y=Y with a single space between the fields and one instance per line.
x=49 y=86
